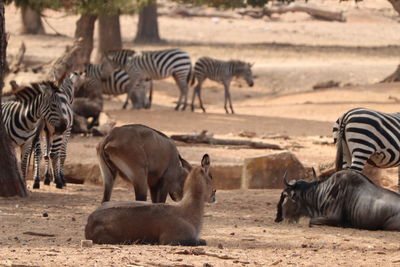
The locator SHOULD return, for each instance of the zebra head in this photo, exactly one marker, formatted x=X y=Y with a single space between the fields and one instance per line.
x=107 y=67
x=139 y=90
x=52 y=107
x=243 y=70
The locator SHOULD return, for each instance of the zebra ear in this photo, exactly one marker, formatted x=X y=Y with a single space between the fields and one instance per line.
x=251 y=64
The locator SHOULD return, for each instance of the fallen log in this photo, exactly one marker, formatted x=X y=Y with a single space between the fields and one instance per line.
x=204 y=138
x=15 y=65
x=312 y=10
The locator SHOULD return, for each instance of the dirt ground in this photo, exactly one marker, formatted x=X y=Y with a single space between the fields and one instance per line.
x=291 y=53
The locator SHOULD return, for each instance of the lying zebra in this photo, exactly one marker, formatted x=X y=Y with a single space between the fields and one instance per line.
x=220 y=71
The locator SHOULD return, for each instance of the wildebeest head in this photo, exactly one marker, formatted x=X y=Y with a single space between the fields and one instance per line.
x=289 y=206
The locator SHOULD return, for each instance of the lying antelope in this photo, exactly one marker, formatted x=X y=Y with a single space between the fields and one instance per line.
x=145 y=158
x=143 y=222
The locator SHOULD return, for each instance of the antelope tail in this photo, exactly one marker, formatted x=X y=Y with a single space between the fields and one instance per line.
x=108 y=172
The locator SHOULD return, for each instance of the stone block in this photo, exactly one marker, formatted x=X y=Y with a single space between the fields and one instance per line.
x=267 y=171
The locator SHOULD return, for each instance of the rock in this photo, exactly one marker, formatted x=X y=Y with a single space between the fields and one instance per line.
x=267 y=171
x=45 y=214
x=86 y=243
x=103 y=129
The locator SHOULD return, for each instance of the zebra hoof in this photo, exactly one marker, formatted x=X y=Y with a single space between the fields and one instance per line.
x=36 y=185
x=46 y=181
x=59 y=185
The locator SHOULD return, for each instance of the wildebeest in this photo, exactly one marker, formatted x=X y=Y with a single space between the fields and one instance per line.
x=346 y=199
x=142 y=222
x=145 y=158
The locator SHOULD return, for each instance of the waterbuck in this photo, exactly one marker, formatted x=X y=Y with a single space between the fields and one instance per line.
x=145 y=158
x=346 y=199
x=141 y=222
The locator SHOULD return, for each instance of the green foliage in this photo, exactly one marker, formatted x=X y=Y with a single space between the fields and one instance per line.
x=95 y=7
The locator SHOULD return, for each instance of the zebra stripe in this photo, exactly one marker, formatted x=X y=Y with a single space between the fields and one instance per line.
x=157 y=65
x=365 y=135
x=113 y=82
x=56 y=144
x=222 y=72
x=21 y=117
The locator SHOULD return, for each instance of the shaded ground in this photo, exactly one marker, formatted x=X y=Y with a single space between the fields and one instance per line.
x=239 y=229
x=291 y=54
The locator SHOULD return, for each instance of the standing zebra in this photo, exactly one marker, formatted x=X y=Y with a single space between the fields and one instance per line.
x=56 y=144
x=157 y=65
x=32 y=105
x=364 y=135
x=116 y=81
x=220 y=71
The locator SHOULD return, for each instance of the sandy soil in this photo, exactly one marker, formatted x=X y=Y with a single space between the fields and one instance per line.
x=291 y=53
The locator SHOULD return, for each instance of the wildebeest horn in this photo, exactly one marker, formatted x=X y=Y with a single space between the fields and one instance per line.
x=314 y=174
x=284 y=178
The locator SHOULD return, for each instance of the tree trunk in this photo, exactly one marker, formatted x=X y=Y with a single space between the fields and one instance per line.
x=84 y=31
x=109 y=35
x=396 y=5
x=31 y=21
x=147 y=31
x=11 y=183
x=394 y=77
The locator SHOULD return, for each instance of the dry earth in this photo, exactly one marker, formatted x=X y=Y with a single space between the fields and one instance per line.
x=291 y=53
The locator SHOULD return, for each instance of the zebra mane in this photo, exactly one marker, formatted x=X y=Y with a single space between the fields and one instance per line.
x=35 y=89
x=239 y=65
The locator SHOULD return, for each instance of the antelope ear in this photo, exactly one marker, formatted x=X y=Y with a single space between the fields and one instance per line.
x=205 y=162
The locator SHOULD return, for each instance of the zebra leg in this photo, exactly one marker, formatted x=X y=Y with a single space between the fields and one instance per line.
x=38 y=156
x=56 y=169
x=47 y=172
x=200 y=100
x=126 y=101
x=148 y=106
x=25 y=153
x=194 y=96
x=227 y=97
x=63 y=154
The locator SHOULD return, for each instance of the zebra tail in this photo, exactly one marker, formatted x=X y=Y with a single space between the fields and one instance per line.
x=339 y=148
x=191 y=78
x=107 y=169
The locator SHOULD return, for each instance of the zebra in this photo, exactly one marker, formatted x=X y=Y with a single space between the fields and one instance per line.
x=363 y=135
x=56 y=144
x=115 y=81
x=32 y=105
x=220 y=71
x=157 y=65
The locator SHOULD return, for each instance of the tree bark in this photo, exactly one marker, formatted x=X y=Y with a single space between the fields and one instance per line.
x=109 y=35
x=394 y=77
x=147 y=31
x=11 y=183
x=84 y=31
x=31 y=21
x=396 y=5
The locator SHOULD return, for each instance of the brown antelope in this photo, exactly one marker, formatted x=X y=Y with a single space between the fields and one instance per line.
x=142 y=222
x=145 y=158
